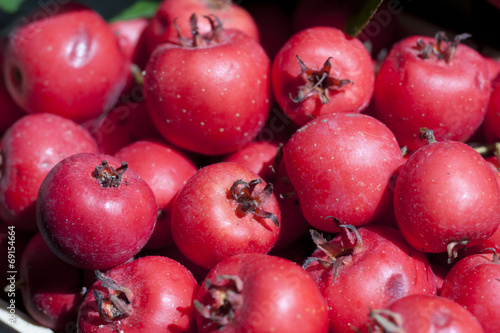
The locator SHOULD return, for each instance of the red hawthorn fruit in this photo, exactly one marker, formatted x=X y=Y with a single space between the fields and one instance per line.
x=258 y=156
x=320 y=71
x=28 y=151
x=162 y=27
x=422 y=314
x=366 y=269
x=446 y=195
x=76 y=72
x=341 y=165
x=260 y=293
x=474 y=283
x=224 y=209
x=197 y=93
x=51 y=289
x=130 y=34
x=433 y=83
x=10 y=110
x=165 y=170
x=121 y=126
x=148 y=295
x=94 y=212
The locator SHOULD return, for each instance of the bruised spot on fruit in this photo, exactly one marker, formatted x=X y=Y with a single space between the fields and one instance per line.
x=318 y=82
x=441 y=318
x=249 y=201
x=79 y=50
x=107 y=176
x=395 y=287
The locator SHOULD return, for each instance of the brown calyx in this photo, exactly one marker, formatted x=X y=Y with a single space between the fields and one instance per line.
x=107 y=176
x=227 y=297
x=117 y=303
x=251 y=201
x=442 y=48
x=337 y=252
x=385 y=321
x=197 y=39
x=318 y=82
x=218 y=4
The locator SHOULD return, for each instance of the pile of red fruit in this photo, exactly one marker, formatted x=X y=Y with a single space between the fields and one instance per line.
x=226 y=168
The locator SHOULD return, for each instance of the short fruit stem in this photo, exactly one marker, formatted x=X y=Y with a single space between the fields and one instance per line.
x=107 y=176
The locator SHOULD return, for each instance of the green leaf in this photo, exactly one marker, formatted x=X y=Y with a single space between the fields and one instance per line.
x=140 y=8
x=360 y=17
x=10 y=6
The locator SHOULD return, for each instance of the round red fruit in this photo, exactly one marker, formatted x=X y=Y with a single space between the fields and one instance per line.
x=93 y=212
x=210 y=96
x=224 y=209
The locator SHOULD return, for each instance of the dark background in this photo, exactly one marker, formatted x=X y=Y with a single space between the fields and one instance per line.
x=477 y=17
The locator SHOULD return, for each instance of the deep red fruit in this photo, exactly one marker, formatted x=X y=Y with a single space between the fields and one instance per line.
x=260 y=293
x=93 y=212
x=52 y=289
x=198 y=95
x=131 y=38
x=320 y=71
x=430 y=82
x=474 y=283
x=258 y=156
x=341 y=165
x=148 y=295
x=121 y=126
x=492 y=119
x=10 y=110
x=162 y=28
x=369 y=270
x=165 y=170
x=76 y=72
x=423 y=314
x=446 y=195
x=224 y=209
x=29 y=149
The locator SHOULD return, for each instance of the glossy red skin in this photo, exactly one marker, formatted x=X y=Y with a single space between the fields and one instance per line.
x=90 y=226
x=450 y=99
x=121 y=126
x=258 y=156
x=10 y=110
x=165 y=170
x=433 y=314
x=293 y=223
x=446 y=192
x=129 y=33
x=203 y=91
x=384 y=270
x=492 y=118
x=205 y=225
x=76 y=72
x=161 y=28
x=52 y=289
x=473 y=283
x=163 y=293
x=314 y=46
x=492 y=242
x=278 y=296
x=341 y=165
x=30 y=148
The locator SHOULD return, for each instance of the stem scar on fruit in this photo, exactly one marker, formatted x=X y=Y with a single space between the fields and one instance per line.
x=318 y=81
x=117 y=304
x=107 y=176
x=198 y=40
x=227 y=298
x=336 y=252
x=250 y=202
x=446 y=51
